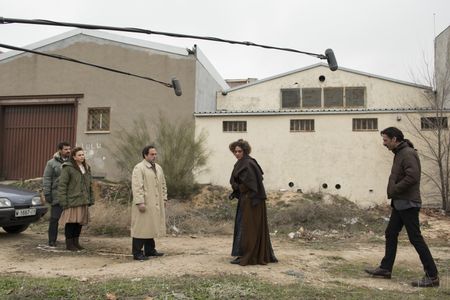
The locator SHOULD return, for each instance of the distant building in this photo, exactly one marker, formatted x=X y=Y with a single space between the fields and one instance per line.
x=45 y=100
x=237 y=82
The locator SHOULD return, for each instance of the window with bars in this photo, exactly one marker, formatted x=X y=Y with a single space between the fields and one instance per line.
x=98 y=119
x=302 y=125
x=431 y=123
x=354 y=96
x=290 y=98
x=234 y=126
x=333 y=97
x=369 y=124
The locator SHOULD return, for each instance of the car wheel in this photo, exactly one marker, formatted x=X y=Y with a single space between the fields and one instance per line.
x=16 y=228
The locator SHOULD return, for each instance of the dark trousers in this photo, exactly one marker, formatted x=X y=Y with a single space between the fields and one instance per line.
x=55 y=214
x=72 y=230
x=137 y=244
x=410 y=219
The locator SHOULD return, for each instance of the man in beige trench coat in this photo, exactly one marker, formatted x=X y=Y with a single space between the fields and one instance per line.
x=148 y=218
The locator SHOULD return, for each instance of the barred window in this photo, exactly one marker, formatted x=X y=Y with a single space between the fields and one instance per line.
x=354 y=96
x=430 y=123
x=302 y=125
x=98 y=119
x=333 y=97
x=311 y=97
x=235 y=126
x=290 y=98
x=365 y=124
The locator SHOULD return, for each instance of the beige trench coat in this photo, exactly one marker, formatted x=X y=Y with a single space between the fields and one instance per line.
x=151 y=189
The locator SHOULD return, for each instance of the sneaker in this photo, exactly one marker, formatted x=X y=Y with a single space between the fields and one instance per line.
x=379 y=272
x=140 y=257
x=52 y=244
x=426 y=281
x=235 y=261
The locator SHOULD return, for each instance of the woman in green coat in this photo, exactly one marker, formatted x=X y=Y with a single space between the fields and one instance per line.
x=75 y=196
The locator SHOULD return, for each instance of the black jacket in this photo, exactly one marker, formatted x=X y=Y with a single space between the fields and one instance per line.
x=404 y=181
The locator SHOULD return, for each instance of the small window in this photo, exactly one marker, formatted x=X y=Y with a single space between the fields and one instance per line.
x=290 y=98
x=365 y=124
x=354 y=96
x=98 y=119
x=235 y=126
x=302 y=125
x=311 y=97
x=429 y=123
x=333 y=97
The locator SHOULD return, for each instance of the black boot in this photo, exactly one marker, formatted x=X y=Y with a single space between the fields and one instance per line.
x=70 y=245
x=76 y=243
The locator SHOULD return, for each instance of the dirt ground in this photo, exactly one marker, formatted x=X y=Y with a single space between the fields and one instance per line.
x=26 y=254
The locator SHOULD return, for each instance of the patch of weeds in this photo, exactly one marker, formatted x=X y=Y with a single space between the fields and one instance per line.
x=193 y=287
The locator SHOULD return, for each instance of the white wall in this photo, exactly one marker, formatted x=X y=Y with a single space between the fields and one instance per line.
x=332 y=154
x=267 y=95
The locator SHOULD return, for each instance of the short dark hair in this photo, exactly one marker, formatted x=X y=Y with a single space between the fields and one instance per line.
x=146 y=149
x=61 y=145
x=244 y=145
x=392 y=132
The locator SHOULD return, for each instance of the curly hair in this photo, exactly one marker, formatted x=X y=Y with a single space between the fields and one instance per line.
x=244 y=145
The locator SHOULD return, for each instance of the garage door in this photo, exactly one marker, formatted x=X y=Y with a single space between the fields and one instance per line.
x=30 y=135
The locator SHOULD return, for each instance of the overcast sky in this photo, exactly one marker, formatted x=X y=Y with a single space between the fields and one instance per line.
x=390 y=38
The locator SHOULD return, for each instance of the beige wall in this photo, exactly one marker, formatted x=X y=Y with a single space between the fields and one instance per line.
x=332 y=154
x=127 y=97
x=267 y=96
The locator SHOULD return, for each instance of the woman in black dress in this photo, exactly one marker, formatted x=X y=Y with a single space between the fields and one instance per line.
x=251 y=240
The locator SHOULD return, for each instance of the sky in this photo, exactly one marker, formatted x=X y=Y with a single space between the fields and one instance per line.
x=387 y=38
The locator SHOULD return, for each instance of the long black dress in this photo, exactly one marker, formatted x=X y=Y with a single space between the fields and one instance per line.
x=251 y=240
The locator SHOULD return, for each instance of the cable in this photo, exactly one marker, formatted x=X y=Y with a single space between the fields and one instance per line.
x=85 y=63
x=146 y=31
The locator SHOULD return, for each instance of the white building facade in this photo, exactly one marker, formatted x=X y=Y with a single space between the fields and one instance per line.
x=315 y=130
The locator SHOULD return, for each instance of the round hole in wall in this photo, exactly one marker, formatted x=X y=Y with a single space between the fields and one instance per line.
x=325 y=185
x=338 y=186
x=291 y=184
x=321 y=78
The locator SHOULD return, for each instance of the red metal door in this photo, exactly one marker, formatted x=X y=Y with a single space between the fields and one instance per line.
x=30 y=135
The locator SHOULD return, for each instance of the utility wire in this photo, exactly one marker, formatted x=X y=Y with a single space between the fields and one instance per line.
x=61 y=57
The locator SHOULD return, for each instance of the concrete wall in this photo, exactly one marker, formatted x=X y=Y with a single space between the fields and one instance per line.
x=442 y=66
x=29 y=74
x=332 y=154
x=267 y=95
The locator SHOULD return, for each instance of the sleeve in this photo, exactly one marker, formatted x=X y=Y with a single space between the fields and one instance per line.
x=91 y=189
x=137 y=185
x=62 y=186
x=163 y=185
x=412 y=174
x=47 y=181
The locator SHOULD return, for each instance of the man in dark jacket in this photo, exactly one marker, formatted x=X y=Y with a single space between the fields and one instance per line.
x=404 y=191
x=50 y=185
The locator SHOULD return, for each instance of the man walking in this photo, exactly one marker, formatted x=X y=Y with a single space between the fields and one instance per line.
x=148 y=219
x=50 y=186
x=404 y=191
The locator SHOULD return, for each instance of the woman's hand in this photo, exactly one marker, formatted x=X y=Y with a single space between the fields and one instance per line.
x=141 y=207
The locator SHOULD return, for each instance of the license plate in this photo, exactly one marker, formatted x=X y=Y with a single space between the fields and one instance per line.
x=25 y=212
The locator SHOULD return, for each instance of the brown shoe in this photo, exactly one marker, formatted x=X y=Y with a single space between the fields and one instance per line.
x=379 y=272
x=426 y=282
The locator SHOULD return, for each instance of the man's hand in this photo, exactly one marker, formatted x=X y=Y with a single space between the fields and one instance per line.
x=141 y=207
x=48 y=198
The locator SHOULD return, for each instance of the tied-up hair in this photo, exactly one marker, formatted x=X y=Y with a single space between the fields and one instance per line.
x=74 y=163
x=392 y=132
x=244 y=145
